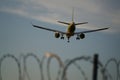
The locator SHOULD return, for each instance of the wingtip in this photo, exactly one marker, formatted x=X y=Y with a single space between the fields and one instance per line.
x=107 y=27
x=86 y=22
x=32 y=24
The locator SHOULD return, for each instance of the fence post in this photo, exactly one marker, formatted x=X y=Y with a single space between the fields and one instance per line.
x=95 y=66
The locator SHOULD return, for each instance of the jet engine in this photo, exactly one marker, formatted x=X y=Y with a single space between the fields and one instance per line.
x=82 y=36
x=57 y=35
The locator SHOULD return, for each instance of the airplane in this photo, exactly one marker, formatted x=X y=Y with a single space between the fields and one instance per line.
x=70 y=30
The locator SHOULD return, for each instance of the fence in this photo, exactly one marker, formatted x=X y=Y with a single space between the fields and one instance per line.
x=63 y=66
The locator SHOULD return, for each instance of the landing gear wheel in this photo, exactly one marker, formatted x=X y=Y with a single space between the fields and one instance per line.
x=77 y=38
x=62 y=37
x=68 y=39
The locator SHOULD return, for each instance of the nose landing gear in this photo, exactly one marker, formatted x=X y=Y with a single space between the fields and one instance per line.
x=68 y=39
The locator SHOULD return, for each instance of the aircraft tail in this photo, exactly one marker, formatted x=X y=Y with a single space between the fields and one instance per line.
x=81 y=23
x=73 y=15
x=64 y=22
x=67 y=22
x=72 y=20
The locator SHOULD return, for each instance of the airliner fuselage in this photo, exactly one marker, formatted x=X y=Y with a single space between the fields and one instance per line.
x=70 y=30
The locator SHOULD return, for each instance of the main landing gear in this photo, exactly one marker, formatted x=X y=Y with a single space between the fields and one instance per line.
x=62 y=37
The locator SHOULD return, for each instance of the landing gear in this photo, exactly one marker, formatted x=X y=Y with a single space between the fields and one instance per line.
x=68 y=39
x=62 y=37
x=78 y=37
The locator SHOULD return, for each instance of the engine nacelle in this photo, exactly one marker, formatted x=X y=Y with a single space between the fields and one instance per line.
x=82 y=36
x=57 y=35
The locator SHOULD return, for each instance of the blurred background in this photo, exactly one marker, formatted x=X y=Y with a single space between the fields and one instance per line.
x=17 y=36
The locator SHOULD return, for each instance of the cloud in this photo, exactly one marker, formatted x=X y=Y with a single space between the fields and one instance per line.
x=51 y=10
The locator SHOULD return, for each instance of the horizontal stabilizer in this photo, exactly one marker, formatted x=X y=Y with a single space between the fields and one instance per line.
x=64 y=22
x=81 y=23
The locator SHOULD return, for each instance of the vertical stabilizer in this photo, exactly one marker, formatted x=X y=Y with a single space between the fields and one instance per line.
x=73 y=15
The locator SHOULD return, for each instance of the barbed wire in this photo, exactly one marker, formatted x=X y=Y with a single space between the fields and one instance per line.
x=117 y=66
x=15 y=59
x=80 y=69
x=71 y=62
x=38 y=61
x=63 y=67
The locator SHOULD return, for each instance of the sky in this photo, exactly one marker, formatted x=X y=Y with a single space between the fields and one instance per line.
x=18 y=36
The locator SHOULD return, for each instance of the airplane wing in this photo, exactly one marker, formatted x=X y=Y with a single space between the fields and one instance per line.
x=91 y=31
x=48 y=29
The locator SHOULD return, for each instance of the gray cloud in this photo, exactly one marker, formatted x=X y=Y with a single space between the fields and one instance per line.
x=101 y=12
